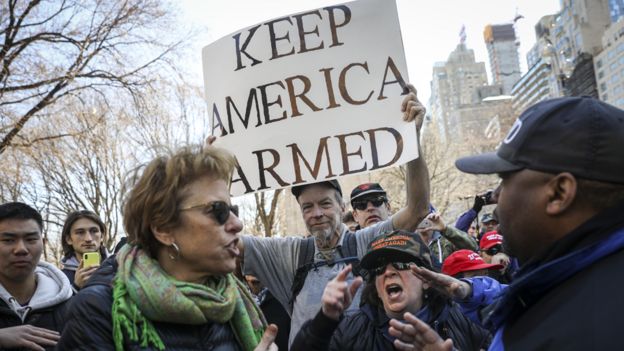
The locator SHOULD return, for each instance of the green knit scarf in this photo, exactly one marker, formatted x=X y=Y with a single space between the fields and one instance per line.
x=144 y=293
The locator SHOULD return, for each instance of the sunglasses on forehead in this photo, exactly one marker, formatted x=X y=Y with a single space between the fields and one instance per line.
x=363 y=204
x=220 y=210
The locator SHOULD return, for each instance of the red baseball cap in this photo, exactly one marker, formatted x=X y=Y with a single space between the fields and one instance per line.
x=465 y=261
x=490 y=239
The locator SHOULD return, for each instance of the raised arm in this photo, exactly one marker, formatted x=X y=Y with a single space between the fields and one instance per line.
x=417 y=175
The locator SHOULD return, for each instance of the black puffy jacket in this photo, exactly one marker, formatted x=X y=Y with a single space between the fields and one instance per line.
x=89 y=323
x=49 y=318
x=366 y=329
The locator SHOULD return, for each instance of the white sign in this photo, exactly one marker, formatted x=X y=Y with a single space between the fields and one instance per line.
x=311 y=96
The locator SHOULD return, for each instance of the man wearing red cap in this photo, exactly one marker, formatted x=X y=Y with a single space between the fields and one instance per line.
x=467 y=264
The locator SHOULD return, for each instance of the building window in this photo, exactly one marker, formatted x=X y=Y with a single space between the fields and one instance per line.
x=599 y=63
x=600 y=74
x=603 y=86
x=605 y=97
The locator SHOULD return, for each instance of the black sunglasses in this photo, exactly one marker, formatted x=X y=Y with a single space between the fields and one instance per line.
x=494 y=250
x=401 y=266
x=361 y=205
x=219 y=209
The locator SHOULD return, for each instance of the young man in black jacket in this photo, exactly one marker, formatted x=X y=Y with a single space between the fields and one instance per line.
x=33 y=293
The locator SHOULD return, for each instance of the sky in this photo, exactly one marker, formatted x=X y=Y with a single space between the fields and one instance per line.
x=430 y=29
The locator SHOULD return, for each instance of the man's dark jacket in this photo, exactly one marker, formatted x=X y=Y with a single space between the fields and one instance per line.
x=51 y=318
x=569 y=297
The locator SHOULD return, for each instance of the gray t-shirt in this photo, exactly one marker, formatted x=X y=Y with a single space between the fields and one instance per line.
x=274 y=262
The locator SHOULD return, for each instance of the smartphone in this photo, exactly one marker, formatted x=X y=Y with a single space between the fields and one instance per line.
x=91 y=259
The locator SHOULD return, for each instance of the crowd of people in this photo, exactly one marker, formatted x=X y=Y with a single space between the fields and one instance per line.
x=540 y=273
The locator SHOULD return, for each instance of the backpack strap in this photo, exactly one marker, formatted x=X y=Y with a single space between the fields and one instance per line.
x=349 y=245
x=304 y=264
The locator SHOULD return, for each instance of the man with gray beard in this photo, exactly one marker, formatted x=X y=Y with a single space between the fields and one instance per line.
x=297 y=269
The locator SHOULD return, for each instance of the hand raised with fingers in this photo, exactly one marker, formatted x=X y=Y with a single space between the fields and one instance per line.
x=452 y=287
x=338 y=295
x=436 y=222
x=268 y=338
x=412 y=109
x=209 y=141
x=27 y=336
x=413 y=335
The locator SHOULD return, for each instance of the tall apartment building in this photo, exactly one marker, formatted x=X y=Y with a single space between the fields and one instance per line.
x=453 y=85
x=609 y=65
x=500 y=40
x=563 y=54
x=616 y=9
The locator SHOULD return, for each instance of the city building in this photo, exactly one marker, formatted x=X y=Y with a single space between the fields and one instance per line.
x=609 y=65
x=502 y=46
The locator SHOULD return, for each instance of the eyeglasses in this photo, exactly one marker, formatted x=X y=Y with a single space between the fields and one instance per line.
x=363 y=204
x=219 y=209
x=400 y=266
x=494 y=250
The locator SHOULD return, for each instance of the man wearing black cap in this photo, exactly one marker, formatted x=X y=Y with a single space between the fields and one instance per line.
x=560 y=206
x=370 y=204
x=296 y=270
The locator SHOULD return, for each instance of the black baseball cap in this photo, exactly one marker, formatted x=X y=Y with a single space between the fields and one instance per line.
x=580 y=135
x=397 y=246
x=297 y=190
x=366 y=189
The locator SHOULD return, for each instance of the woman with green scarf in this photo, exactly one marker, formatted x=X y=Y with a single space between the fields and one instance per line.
x=171 y=287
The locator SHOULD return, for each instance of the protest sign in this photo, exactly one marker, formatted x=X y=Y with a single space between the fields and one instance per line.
x=310 y=96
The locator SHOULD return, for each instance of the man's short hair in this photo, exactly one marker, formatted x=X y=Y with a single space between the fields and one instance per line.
x=19 y=210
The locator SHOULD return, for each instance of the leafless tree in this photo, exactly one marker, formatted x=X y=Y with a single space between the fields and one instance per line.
x=54 y=51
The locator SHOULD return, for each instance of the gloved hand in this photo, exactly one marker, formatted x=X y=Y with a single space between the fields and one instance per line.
x=479 y=202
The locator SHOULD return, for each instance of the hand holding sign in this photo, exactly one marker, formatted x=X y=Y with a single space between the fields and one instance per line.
x=412 y=109
x=306 y=97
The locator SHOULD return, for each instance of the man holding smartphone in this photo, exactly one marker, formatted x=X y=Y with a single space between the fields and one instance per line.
x=82 y=237
x=33 y=293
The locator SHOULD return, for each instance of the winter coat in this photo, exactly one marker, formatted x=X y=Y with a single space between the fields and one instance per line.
x=566 y=299
x=89 y=324
x=47 y=307
x=367 y=329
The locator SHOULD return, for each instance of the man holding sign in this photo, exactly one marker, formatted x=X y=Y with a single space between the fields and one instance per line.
x=280 y=263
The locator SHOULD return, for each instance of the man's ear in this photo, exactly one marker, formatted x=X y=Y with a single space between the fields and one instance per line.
x=164 y=236
x=561 y=193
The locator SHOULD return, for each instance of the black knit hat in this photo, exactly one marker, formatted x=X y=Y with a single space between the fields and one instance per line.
x=580 y=135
